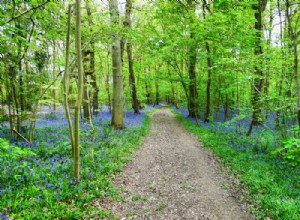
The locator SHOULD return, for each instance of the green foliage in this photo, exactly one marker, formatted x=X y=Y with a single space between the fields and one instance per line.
x=290 y=151
x=271 y=186
x=41 y=187
x=7 y=150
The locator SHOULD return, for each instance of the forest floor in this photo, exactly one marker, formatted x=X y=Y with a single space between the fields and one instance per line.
x=173 y=177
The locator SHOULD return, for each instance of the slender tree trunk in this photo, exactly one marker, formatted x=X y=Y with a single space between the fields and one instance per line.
x=91 y=52
x=268 y=60
x=107 y=85
x=193 y=94
x=66 y=83
x=21 y=89
x=54 y=75
x=118 y=94
x=86 y=100
x=156 y=93
x=80 y=92
x=209 y=65
x=173 y=100
x=9 y=100
x=127 y=24
x=15 y=102
x=293 y=35
x=257 y=115
x=280 y=83
x=21 y=83
x=209 y=70
x=148 y=93
x=94 y=81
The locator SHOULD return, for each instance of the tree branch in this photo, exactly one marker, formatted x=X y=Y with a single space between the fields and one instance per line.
x=27 y=11
x=45 y=90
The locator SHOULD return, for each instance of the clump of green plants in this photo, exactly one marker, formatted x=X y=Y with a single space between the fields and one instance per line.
x=14 y=152
x=290 y=152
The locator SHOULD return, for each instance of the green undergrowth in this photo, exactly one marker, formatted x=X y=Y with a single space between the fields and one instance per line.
x=43 y=188
x=271 y=186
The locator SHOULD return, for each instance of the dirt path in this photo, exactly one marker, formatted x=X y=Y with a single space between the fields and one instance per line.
x=173 y=177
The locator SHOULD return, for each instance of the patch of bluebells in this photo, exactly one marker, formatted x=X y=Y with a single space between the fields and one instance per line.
x=51 y=168
x=263 y=140
x=3 y=217
x=132 y=119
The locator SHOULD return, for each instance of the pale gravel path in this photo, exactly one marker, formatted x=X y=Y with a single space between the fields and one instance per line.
x=173 y=177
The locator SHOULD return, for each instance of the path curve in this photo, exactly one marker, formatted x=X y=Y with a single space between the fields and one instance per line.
x=173 y=177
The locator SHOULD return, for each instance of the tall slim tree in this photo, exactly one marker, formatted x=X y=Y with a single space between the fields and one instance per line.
x=293 y=35
x=80 y=92
x=192 y=54
x=118 y=93
x=127 y=24
x=257 y=114
x=92 y=62
x=209 y=68
x=66 y=83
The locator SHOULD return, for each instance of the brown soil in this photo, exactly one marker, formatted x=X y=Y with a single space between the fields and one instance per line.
x=173 y=177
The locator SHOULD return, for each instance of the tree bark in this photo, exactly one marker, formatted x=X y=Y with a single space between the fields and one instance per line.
x=86 y=100
x=80 y=92
x=53 y=74
x=118 y=93
x=66 y=83
x=193 y=94
x=209 y=72
x=156 y=93
x=257 y=114
x=127 y=24
x=92 y=65
x=293 y=35
x=107 y=85
x=209 y=65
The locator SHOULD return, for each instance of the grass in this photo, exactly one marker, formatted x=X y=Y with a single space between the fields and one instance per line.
x=273 y=186
x=37 y=183
x=161 y=207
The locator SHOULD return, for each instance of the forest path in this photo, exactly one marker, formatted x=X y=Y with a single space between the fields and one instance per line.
x=173 y=177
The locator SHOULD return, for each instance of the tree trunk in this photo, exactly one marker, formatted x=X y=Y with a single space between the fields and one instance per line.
x=209 y=68
x=280 y=83
x=80 y=92
x=54 y=75
x=66 y=84
x=94 y=81
x=127 y=24
x=86 y=100
x=92 y=65
x=209 y=65
x=257 y=115
x=156 y=93
x=148 y=93
x=173 y=99
x=193 y=94
x=293 y=35
x=107 y=84
x=118 y=94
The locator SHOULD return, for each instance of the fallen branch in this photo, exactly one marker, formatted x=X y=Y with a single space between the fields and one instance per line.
x=21 y=136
